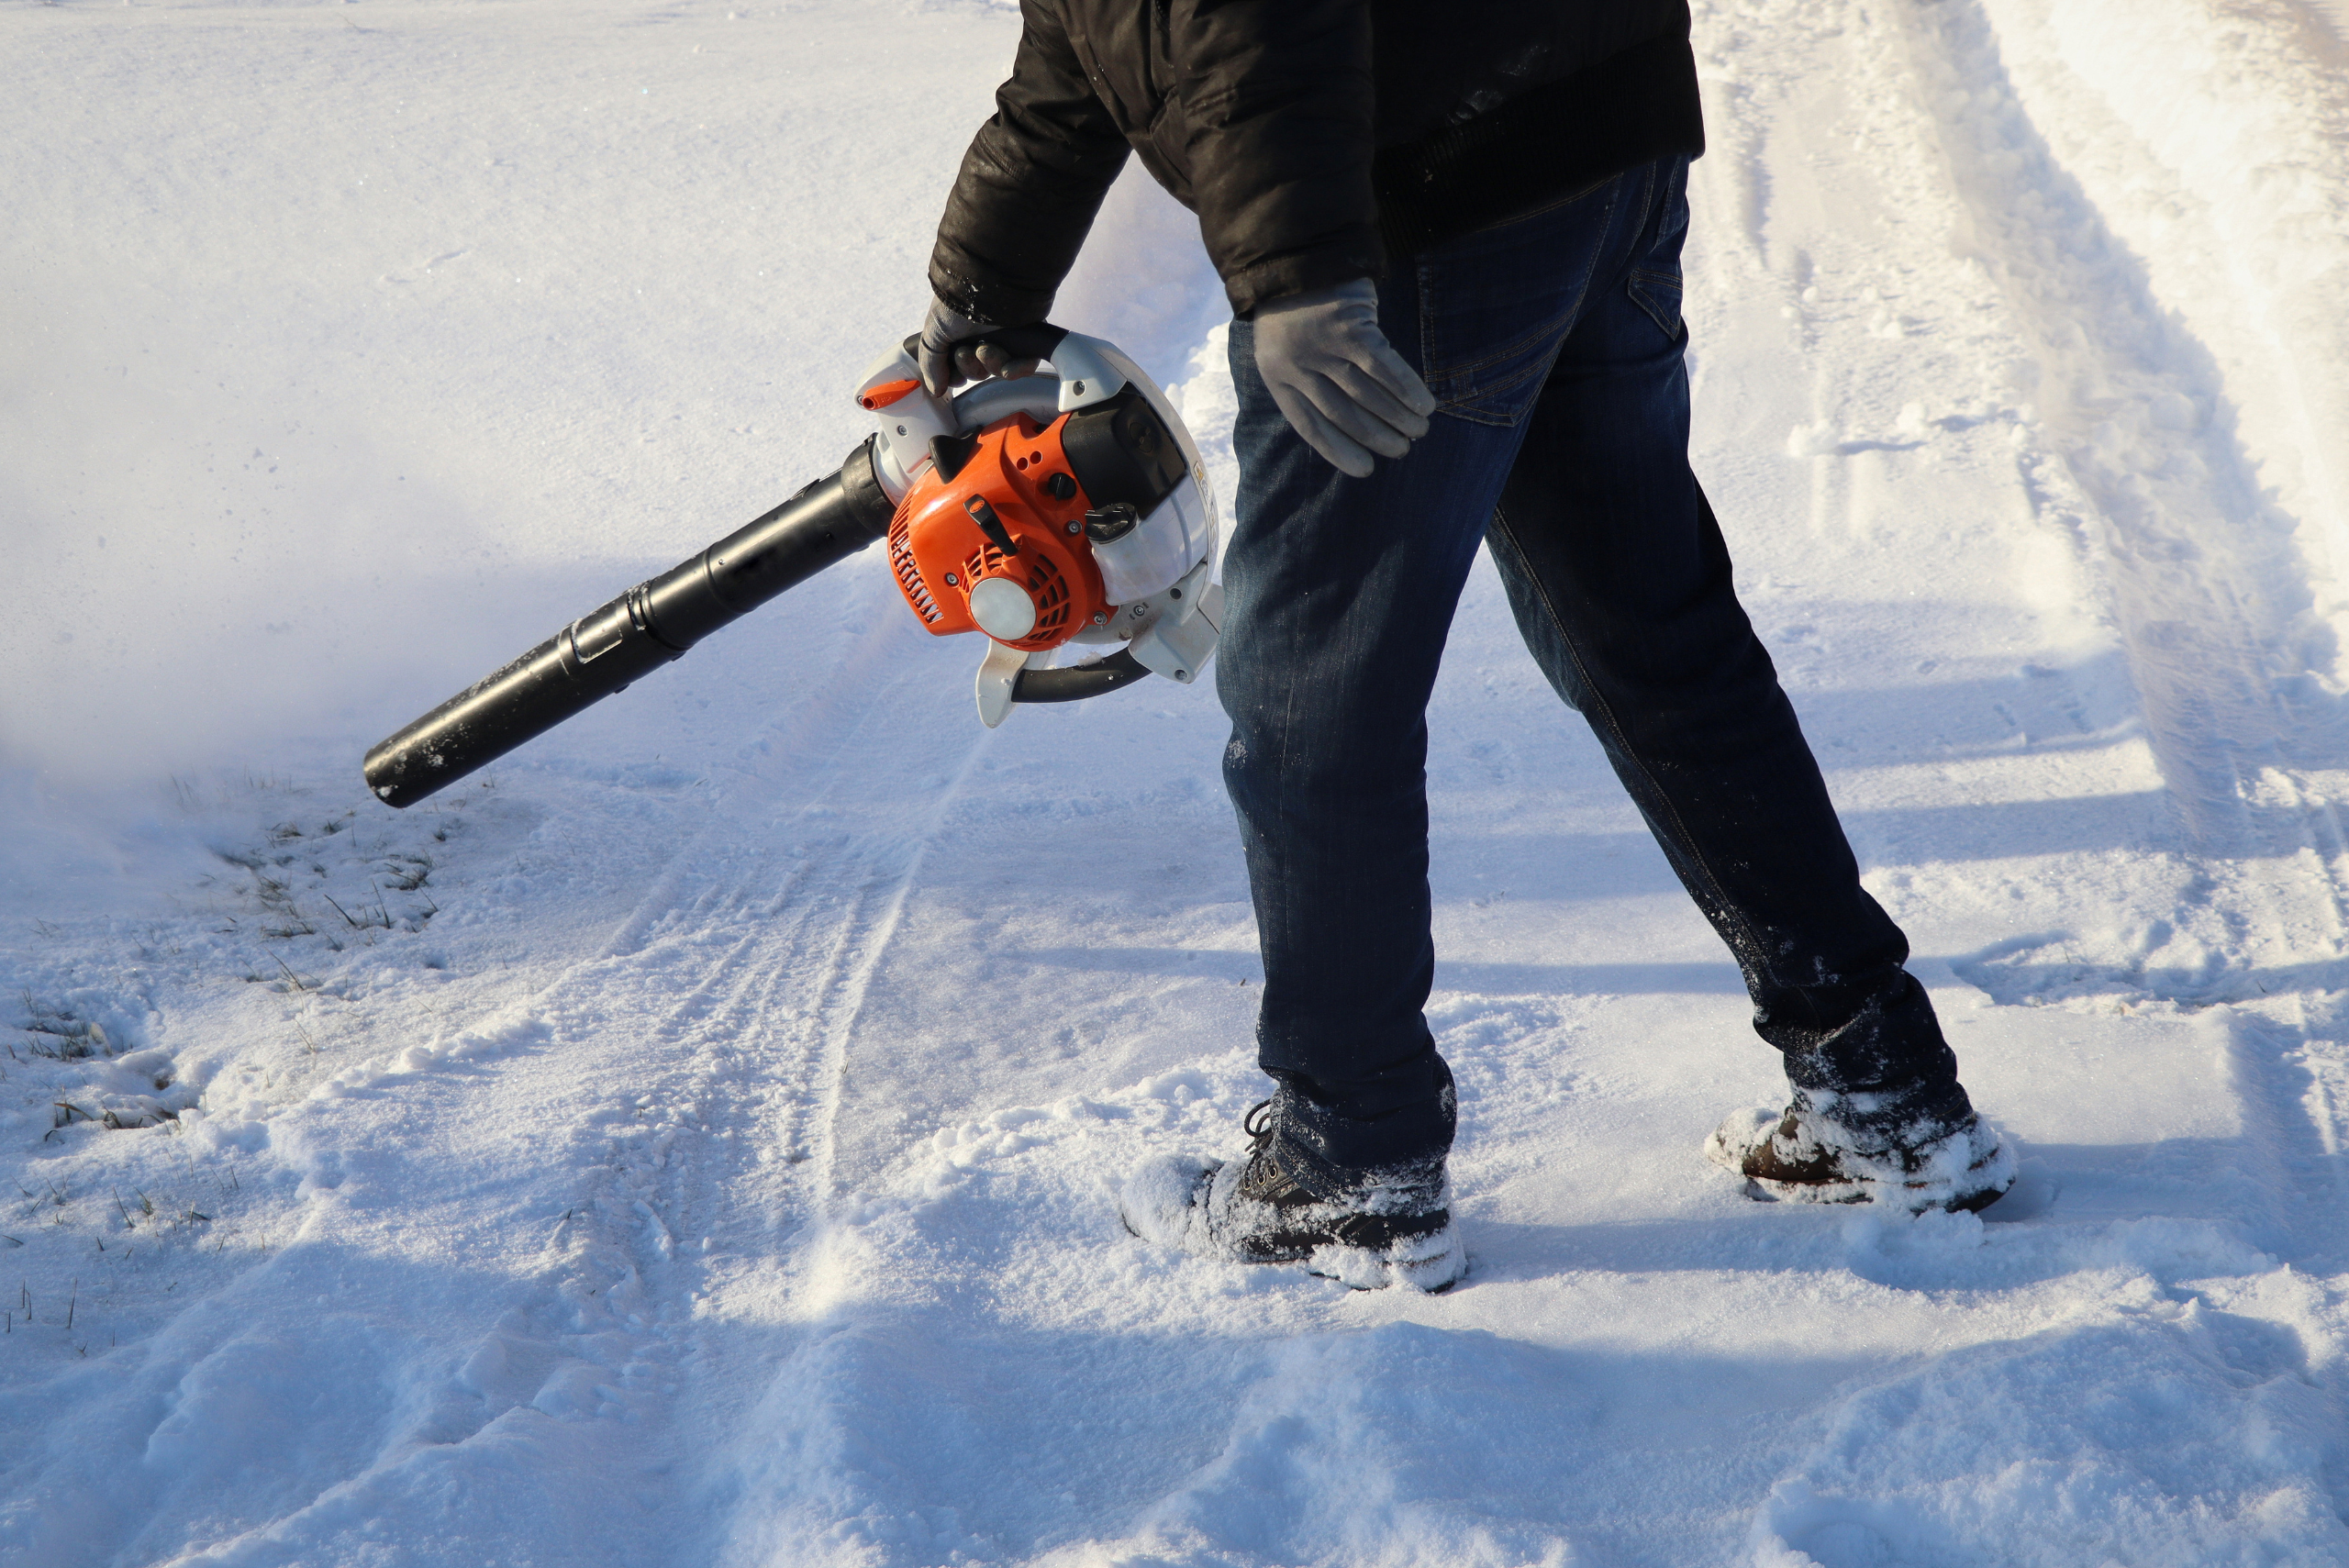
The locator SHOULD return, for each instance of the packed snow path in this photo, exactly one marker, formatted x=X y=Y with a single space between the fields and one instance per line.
x=692 y=1144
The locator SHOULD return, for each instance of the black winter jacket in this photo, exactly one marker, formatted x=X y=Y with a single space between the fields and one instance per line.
x=1315 y=139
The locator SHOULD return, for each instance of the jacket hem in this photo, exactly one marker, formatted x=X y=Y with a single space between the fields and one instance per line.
x=1625 y=111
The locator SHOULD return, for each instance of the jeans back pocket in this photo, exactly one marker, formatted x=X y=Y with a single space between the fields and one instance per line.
x=1495 y=305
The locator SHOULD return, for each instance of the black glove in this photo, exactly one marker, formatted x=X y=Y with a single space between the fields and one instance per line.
x=949 y=354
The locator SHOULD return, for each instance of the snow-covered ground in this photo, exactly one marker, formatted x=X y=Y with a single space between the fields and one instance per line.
x=693 y=1142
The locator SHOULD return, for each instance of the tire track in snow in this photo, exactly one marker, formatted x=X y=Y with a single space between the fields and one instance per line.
x=724 y=1007
x=1906 y=1471
x=694 y=1017
x=864 y=942
x=790 y=925
x=758 y=1040
x=2210 y=591
x=787 y=1455
x=2207 y=584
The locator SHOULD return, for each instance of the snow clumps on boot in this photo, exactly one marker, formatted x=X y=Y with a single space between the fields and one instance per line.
x=1364 y=1229
x=1809 y=1154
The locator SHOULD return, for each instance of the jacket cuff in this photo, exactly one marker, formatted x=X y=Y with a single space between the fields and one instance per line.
x=1301 y=272
x=990 y=304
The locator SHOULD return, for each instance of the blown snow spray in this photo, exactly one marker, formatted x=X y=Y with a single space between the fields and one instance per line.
x=1060 y=508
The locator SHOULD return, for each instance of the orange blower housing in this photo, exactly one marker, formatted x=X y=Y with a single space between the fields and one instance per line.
x=1017 y=505
x=1003 y=502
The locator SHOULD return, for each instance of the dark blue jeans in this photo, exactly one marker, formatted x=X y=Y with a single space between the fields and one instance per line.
x=1555 y=344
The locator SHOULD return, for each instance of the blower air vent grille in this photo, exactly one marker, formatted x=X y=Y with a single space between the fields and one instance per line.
x=901 y=561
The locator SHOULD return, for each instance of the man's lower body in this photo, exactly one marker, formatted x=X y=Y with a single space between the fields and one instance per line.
x=1555 y=344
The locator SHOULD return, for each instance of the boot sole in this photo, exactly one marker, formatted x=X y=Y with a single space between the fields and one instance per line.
x=1731 y=1156
x=1430 y=1263
x=1433 y=1264
x=1763 y=1191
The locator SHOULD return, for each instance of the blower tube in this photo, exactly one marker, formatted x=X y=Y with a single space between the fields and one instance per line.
x=652 y=623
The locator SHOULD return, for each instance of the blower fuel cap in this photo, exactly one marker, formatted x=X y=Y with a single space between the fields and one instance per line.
x=1002 y=608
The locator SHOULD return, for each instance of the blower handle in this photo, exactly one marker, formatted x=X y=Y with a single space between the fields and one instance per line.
x=1034 y=341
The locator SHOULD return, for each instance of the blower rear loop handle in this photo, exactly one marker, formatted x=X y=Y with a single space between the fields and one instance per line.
x=1035 y=341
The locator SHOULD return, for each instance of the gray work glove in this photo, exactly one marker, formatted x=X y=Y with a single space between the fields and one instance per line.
x=949 y=356
x=1343 y=385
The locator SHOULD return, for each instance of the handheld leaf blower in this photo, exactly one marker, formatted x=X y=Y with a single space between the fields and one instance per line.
x=1060 y=508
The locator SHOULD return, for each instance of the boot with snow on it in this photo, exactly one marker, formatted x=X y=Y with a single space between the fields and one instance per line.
x=1362 y=1229
x=1806 y=1155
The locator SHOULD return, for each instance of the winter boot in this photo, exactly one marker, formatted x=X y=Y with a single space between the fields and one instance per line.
x=1283 y=1205
x=1808 y=1155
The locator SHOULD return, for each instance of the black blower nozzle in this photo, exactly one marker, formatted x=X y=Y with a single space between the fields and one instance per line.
x=646 y=627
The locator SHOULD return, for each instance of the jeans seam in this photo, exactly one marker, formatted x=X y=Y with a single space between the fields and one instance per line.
x=1605 y=709
x=1567 y=317
x=1550 y=206
x=1614 y=728
x=1508 y=383
x=1510 y=351
x=1464 y=408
